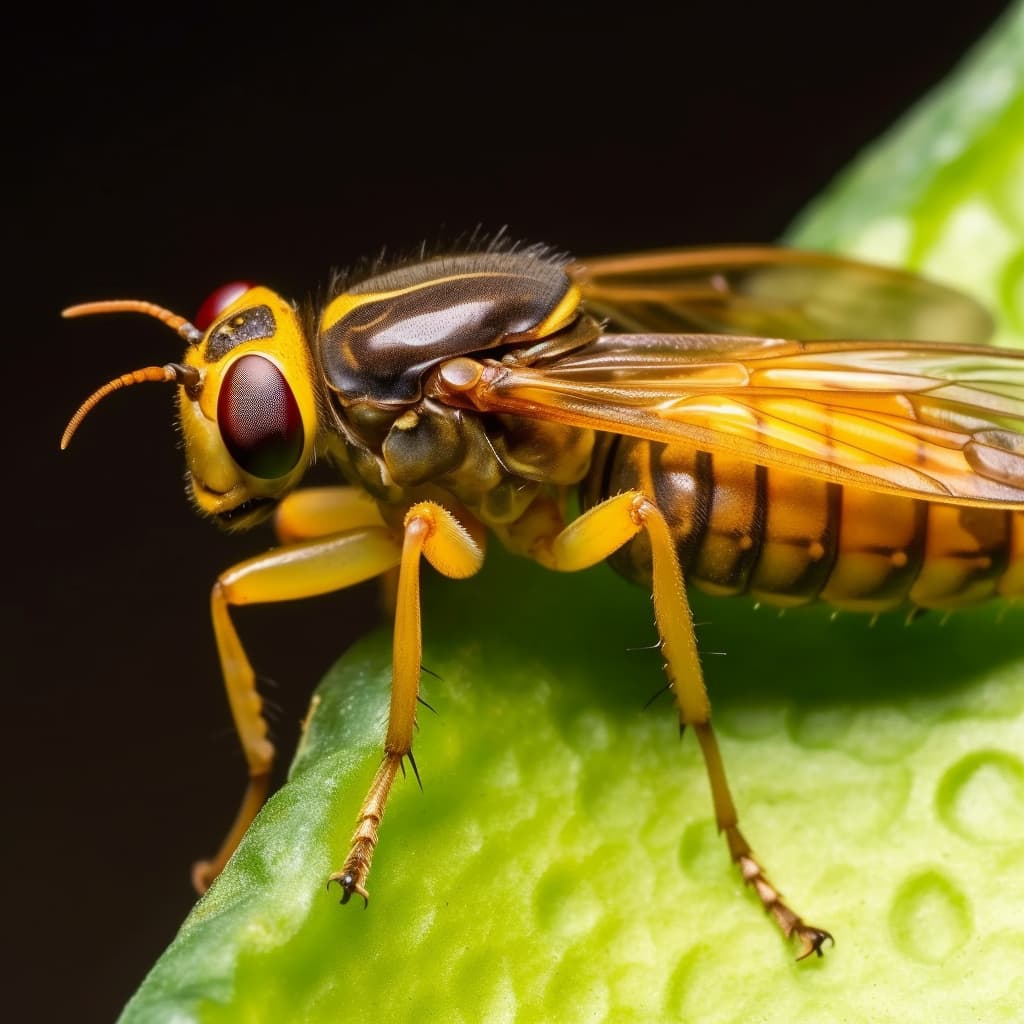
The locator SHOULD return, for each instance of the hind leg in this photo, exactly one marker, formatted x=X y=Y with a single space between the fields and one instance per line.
x=590 y=539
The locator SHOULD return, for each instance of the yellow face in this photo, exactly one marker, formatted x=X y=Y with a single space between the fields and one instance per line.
x=250 y=422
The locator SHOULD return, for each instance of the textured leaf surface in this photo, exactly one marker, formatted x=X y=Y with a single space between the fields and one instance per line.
x=562 y=862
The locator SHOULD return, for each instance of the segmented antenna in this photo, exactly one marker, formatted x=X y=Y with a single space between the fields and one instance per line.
x=177 y=323
x=186 y=376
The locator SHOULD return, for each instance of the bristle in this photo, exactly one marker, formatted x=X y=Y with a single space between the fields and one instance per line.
x=477 y=241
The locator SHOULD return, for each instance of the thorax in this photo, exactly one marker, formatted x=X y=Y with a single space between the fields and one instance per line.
x=501 y=469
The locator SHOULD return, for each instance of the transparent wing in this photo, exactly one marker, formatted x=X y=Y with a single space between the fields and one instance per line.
x=934 y=421
x=774 y=292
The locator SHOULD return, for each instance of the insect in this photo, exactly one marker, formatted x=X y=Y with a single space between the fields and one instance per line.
x=718 y=426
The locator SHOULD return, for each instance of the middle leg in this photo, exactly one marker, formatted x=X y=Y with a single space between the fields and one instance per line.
x=434 y=533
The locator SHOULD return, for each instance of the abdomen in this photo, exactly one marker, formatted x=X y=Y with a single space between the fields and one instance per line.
x=788 y=540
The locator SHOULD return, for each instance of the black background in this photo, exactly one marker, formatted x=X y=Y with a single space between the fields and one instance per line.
x=159 y=159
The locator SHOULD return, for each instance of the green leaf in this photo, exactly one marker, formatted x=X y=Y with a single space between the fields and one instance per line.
x=561 y=862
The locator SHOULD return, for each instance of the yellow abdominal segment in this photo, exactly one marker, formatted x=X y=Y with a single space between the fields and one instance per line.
x=788 y=540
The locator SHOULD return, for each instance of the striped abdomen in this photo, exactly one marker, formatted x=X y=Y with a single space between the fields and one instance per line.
x=788 y=540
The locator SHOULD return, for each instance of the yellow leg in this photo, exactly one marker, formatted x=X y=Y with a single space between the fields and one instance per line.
x=434 y=533
x=590 y=539
x=318 y=511
x=303 y=569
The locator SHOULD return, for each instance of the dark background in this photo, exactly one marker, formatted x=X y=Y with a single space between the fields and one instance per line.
x=161 y=159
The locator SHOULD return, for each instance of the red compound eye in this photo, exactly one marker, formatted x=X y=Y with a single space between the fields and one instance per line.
x=216 y=302
x=259 y=418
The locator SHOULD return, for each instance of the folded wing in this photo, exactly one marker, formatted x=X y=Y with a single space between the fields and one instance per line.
x=935 y=421
x=776 y=292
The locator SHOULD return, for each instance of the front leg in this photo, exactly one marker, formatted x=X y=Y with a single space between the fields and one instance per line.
x=303 y=569
x=434 y=533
